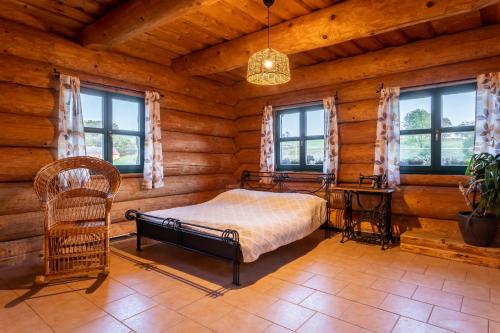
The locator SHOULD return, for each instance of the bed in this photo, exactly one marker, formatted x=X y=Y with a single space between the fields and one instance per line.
x=268 y=211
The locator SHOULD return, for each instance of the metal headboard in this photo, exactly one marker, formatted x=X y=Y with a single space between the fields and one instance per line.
x=281 y=181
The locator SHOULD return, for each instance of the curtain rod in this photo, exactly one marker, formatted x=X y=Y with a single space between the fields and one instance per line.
x=437 y=85
x=301 y=105
x=57 y=74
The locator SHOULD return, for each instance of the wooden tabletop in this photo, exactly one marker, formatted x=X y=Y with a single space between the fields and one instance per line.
x=361 y=189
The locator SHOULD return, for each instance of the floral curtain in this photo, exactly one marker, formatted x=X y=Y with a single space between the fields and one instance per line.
x=331 y=162
x=387 y=142
x=71 y=139
x=267 y=142
x=488 y=114
x=153 y=156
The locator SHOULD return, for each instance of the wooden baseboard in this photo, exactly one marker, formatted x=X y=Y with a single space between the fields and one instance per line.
x=436 y=245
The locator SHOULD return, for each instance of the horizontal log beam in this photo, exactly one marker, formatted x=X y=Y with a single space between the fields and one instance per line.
x=134 y=18
x=357 y=132
x=26 y=131
x=35 y=45
x=197 y=106
x=447 y=49
x=20 y=197
x=24 y=225
x=24 y=163
x=28 y=100
x=248 y=156
x=176 y=121
x=248 y=139
x=196 y=143
x=349 y=173
x=332 y=25
x=357 y=153
x=176 y=163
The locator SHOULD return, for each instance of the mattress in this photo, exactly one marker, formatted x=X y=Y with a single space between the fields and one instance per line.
x=265 y=221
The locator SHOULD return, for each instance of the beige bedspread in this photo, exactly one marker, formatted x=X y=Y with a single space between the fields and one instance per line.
x=264 y=220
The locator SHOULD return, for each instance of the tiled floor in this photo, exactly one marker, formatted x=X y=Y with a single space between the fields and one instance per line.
x=314 y=285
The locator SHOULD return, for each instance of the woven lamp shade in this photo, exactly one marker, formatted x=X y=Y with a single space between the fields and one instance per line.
x=268 y=67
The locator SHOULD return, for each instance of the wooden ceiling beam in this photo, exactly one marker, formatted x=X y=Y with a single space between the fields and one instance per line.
x=135 y=17
x=448 y=49
x=332 y=25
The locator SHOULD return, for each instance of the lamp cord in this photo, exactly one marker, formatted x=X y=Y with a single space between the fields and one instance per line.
x=268 y=27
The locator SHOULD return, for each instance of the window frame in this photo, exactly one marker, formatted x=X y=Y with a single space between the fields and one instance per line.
x=302 y=138
x=436 y=130
x=107 y=126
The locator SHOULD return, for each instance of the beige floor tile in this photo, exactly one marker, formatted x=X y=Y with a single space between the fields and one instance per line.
x=107 y=291
x=407 y=307
x=324 y=269
x=292 y=275
x=155 y=285
x=21 y=319
x=408 y=265
x=370 y=318
x=240 y=321
x=249 y=300
x=179 y=296
x=438 y=297
x=106 y=324
x=31 y=290
x=386 y=272
x=326 y=284
x=132 y=275
x=155 y=319
x=399 y=288
x=363 y=295
x=457 y=321
x=286 y=314
x=484 y=276
x=207 y=310
x=448 y=272
x=494 y=327
x=429 y=281
x=276 y=329
x=407 y=325
x=323 y=323
x=495 y=295
x=481 y=308
x=129 y=306
x=356 y=277
x=467 y=289
x=327 y=304
x=290 y=292
x=188 y=326
x=64 y=312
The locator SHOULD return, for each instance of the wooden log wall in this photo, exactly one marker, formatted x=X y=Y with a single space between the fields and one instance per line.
x=423 y=201
x=198 y=131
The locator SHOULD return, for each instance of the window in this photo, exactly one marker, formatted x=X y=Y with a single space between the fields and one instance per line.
x=300 y=138
x=114 y=128
x=437 y=129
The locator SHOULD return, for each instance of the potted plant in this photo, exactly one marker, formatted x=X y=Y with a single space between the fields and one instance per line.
x=482 y=194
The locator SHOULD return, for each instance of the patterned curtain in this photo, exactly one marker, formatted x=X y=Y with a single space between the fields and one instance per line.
x=153 y=156
x=488 y=114
x=71 y=139
x=267 y=142
x=331 y=162
x=387 y=142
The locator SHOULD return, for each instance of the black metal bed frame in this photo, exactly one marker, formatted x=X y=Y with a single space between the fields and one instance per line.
x=225 y=244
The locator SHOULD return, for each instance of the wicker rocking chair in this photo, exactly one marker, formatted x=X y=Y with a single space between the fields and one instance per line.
x=76 y=195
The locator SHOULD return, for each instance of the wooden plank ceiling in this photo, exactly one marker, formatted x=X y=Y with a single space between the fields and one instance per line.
x=220 y=21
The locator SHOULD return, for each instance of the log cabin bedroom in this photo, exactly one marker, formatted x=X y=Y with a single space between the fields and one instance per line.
x=250 y=166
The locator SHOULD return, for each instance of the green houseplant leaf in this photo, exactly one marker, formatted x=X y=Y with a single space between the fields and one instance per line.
x=484 y=169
